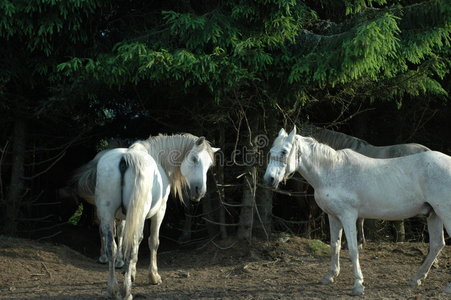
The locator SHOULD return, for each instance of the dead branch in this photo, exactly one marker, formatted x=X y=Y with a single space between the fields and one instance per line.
x=47 y=169
x=49 y=236
x=298 y=222
x=46 y=269
x=2 y=157
x=218 y=223
x=35 y=219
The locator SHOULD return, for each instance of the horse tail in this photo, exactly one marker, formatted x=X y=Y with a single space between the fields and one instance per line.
x=122 y=168
x=83 y=180
x=138 y=164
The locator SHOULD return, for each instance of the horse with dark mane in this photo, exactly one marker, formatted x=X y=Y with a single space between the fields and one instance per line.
x=338 y=140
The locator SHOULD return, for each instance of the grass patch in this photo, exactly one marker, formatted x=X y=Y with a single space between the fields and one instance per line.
x=318 y=248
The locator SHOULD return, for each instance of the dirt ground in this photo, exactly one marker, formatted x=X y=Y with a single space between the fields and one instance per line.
x=285 y=268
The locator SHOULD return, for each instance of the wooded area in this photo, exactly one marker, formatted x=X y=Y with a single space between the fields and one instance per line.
x=80 y=76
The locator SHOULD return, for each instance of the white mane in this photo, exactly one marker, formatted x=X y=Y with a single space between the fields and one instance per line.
x=169 y=152
x=320 y=154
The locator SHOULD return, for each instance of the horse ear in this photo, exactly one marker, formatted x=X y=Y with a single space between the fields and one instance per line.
x=200 y=141
x=292 y=134
x=215 y=149
x=282 y=132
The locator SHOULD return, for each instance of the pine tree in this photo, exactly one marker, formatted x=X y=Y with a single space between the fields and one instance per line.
x=35 y=37
x=285 y=49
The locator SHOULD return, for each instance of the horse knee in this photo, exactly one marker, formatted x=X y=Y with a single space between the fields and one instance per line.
x=437 y=246
x=110 y=245
x=153 y=243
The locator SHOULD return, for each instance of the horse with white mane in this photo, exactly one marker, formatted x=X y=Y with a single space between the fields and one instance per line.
x=339 y=141
x=137 y=181
x=348 y=185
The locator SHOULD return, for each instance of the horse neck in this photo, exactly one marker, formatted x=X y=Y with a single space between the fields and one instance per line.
x=169 y=152
x=339 y=140
x=315 y=160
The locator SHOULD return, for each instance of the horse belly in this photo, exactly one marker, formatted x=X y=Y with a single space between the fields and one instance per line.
x=393 y=210
x=370 y=204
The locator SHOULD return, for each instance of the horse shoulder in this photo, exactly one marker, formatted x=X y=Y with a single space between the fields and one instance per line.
x=162 y=180
x=335 y=200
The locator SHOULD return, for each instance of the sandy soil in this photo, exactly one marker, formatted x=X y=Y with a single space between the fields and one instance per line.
x=279 y=269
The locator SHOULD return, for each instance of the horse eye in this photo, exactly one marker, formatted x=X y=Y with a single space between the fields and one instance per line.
x=194 y=159
x=284 y=152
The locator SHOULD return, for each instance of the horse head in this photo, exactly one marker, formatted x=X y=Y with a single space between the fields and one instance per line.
x=195 y=165
x=282 y=160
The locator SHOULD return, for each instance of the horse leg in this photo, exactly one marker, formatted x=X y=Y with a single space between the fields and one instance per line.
x=154 y=242
x=103 y=258
x=361 y=233
x=111 y=251
x=447 y=223
x=349 y=225
x=120 y=252
x=443 y=211
x=335 y=242
x=135 y=253
x=130 y=272
x=445 y=215
x=436 y=244
x=186 y=234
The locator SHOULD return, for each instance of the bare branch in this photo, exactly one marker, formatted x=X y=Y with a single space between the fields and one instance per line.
x=47 y=169
x=2 y=157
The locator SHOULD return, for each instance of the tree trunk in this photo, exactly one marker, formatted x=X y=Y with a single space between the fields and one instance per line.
x=256 y=205
x=17 y=183
x=213 y=207
x=400 y=231
x=264 y=198
x=263 y=225
x=247 y=208
x=249 y=158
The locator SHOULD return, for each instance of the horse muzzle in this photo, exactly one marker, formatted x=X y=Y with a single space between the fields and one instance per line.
x=270 y=181
x=197 y=193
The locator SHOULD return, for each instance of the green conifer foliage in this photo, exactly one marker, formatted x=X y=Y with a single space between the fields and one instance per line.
x=284 y=49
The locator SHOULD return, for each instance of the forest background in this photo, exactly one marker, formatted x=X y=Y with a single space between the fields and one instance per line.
x=80 y=76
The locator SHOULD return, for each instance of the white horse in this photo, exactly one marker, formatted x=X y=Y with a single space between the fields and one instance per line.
x=138 y=181
x=82 y=184
x=339 y=140
x=349 y=185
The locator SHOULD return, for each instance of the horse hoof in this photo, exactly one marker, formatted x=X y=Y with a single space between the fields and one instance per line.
x=155 y=279
x=129 y=297
x=103 y=259
x=435 y=264
x=327 y=280
x=113 y=293
x=415 y=282
x=119 y=264
x=358 y=291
